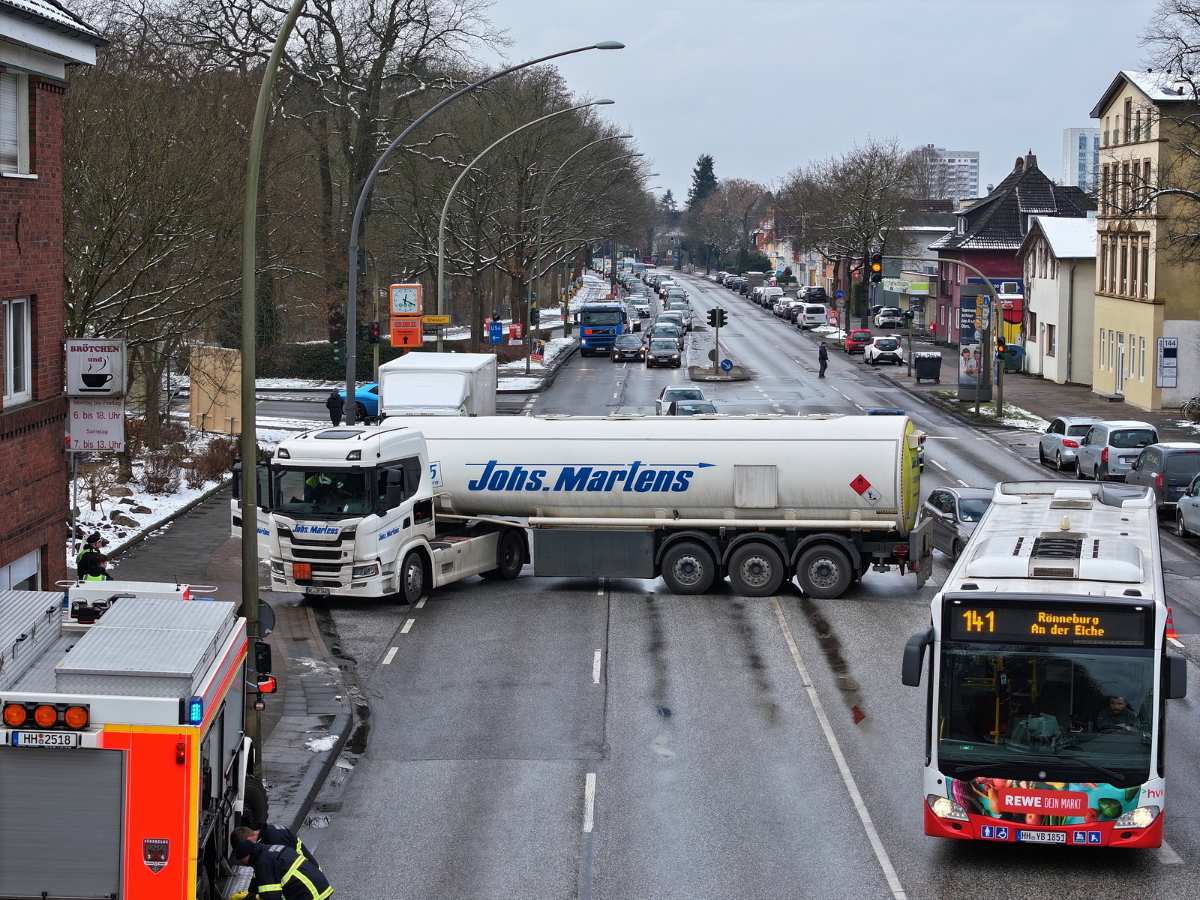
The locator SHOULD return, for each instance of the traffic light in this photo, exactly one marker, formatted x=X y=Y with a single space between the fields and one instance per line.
x=999 y=345
x=339 y=353
x=535 y=315
x=876 y=267
x=374 y=333
x=721 y=318
x=712 y=317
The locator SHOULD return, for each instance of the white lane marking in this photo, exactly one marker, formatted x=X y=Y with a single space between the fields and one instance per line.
x=864 y=815
x=407 y=626
x=421 y=603
x=1177 y=643
x=390 y=655
x=596 y=667
x=939 y=465
x=1167 y=855
x=589 y=802
x=963 y=483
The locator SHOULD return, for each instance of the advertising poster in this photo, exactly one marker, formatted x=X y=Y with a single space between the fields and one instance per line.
x=973 y=374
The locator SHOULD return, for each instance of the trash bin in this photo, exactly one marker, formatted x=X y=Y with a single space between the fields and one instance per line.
x=1014 y=356
x=927 y=367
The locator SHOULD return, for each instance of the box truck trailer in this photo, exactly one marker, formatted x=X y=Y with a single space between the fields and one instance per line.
x=438 y=384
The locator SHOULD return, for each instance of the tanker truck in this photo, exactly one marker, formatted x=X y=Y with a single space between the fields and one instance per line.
x=417 y=503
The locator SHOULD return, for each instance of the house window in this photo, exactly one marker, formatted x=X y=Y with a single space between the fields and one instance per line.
x=1137 y=126
x=1147 y=188
x=17 y=366
x=1133 y=267
x=1124 y=282
x=1146 y=268
x=1103 y=350
x=1104 y=263
x=22 y=574
x=1104 y=133
x=14 y=123
x=1128 y=119
x=1033 y=325
x=1049 y=340
x=1142 y=358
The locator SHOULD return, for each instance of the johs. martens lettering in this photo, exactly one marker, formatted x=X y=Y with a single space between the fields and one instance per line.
x=636 y=477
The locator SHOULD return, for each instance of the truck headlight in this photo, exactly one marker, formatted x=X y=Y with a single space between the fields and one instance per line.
x=945 y=808
x=365 y=571
x=1142 y=817
x=277 y=567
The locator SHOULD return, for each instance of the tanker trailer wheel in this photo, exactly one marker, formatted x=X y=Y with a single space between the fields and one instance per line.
x=412 y=578
x=824 y=571
x=510 y=557
x=688 y=568
x=756 y=570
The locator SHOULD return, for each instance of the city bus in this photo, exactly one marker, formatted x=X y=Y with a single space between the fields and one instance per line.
x=1048 y=673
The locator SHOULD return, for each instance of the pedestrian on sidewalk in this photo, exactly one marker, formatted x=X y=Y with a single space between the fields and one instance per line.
x=822 y=358
x=90 y=563
x=334 y=403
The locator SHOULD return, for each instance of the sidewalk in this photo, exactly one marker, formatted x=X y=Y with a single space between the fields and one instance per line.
x=309 y=717
x=1043 y=398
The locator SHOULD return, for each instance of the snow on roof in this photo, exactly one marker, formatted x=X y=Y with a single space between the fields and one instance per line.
x=1069 y=238
x=53 y=13
x=1159 y=86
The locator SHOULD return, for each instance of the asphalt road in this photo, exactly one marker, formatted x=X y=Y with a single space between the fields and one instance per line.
x=560 y=738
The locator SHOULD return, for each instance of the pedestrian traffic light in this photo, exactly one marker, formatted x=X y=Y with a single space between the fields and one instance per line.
x=876 y=267
x=374 y=333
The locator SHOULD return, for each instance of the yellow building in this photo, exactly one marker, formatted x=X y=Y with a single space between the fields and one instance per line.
x=1147 y=318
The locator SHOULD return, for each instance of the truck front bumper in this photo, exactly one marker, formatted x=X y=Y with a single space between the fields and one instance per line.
x=348 y=581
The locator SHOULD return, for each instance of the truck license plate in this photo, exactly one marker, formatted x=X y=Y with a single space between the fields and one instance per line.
x=320 y=591
x=60 y=739
x=1042 y=837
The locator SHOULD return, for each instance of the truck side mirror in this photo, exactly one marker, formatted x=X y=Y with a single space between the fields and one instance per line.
x=262 y=657
x=914 y=658
x=1175 y=677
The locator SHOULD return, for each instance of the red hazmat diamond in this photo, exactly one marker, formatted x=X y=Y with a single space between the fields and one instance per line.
x=860 y=485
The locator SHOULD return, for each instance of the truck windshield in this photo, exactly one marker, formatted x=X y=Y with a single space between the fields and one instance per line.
x=600 y=317
x=321 y=493
x=1078 y=714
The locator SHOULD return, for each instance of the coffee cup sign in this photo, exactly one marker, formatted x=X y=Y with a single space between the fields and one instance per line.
x=95 y=367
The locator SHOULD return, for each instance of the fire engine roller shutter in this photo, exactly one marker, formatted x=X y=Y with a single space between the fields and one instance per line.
x=60 y=826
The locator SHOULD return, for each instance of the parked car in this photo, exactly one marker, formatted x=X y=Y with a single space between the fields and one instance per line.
x=857 y=340
x=954 y=513
x=815 y=294
x=1109 y=449
x=756 y=294
x=883 y=349
x=1061 y=439
x=1187 y=510
x=1168 y=468
x=628 y=346
x=673 y=392
x=666 y=330
x=692 y=408
x=771 y=295
x=663 y=351
x=889 y=317
x=814 y=315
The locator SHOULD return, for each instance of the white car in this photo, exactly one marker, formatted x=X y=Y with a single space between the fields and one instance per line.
x=812 y=315
x=889 y=317
x=673 y=392
x=884 y=349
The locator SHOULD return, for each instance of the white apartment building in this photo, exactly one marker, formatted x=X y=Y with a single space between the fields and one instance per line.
x=1081 y=158
x=955 y=173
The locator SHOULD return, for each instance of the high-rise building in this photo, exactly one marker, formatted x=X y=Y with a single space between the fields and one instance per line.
x=952 y=174
x=1081 y=158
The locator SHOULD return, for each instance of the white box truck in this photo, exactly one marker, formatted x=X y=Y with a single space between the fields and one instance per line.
x=438 y=384
x=415 y=504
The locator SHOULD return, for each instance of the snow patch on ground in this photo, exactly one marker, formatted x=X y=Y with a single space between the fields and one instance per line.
x=553 y=348
x=321 y=744
x=518 y=383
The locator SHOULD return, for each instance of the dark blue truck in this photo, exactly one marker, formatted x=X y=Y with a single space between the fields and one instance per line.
x=600 y=324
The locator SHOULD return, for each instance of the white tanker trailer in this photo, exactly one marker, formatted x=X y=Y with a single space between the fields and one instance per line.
x=416 y=503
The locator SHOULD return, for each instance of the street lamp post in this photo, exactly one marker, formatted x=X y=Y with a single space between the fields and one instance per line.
x=441 y=277
x=369 y=184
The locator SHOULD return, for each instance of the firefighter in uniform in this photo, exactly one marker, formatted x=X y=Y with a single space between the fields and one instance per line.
x=281 y=871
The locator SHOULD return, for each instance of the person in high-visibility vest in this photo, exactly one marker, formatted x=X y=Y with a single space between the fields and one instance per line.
x=280 y=872
x=89 y=564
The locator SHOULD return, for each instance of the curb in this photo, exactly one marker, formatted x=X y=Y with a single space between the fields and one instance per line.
x=547 y=378
x=947 y=408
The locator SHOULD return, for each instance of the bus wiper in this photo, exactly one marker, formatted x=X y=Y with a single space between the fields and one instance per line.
x=1114 y=777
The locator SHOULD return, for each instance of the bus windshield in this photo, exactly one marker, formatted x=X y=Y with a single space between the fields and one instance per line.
x=1075 y=713
x=321 y=493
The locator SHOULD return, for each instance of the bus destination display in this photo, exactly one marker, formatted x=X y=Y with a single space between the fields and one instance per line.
x=1033 y=624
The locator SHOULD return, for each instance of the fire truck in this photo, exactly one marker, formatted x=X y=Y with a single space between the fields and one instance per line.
x=122 y=709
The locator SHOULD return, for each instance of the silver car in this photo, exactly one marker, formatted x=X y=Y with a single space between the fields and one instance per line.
x=1109 y=449
x=954 y=513
x=673 y=393
x=1187 y=510
x=1058 y=443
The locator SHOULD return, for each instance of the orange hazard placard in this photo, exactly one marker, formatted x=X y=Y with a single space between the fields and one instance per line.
x=405 y=331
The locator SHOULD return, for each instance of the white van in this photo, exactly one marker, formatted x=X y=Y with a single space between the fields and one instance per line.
x=812 y=315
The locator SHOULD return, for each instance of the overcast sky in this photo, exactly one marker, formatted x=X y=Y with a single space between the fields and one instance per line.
x=767 y=85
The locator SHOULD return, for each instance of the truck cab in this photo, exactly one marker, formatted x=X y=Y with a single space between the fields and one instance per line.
x=351 y=514
x=599 y=326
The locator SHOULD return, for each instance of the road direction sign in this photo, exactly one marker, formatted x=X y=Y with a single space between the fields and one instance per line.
x=726 y=365
x=435 y=320
x=496 y=331
x=896 y=285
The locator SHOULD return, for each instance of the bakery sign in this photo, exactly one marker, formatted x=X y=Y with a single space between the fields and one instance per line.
x=95 y=367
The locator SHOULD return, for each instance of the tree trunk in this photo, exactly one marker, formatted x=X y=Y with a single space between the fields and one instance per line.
x=151 y=372
x=332 y=265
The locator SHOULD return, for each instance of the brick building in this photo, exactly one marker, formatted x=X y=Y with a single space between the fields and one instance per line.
x=38 y=41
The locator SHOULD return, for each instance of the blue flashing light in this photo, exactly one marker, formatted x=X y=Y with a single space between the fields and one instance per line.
x=195 y=711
